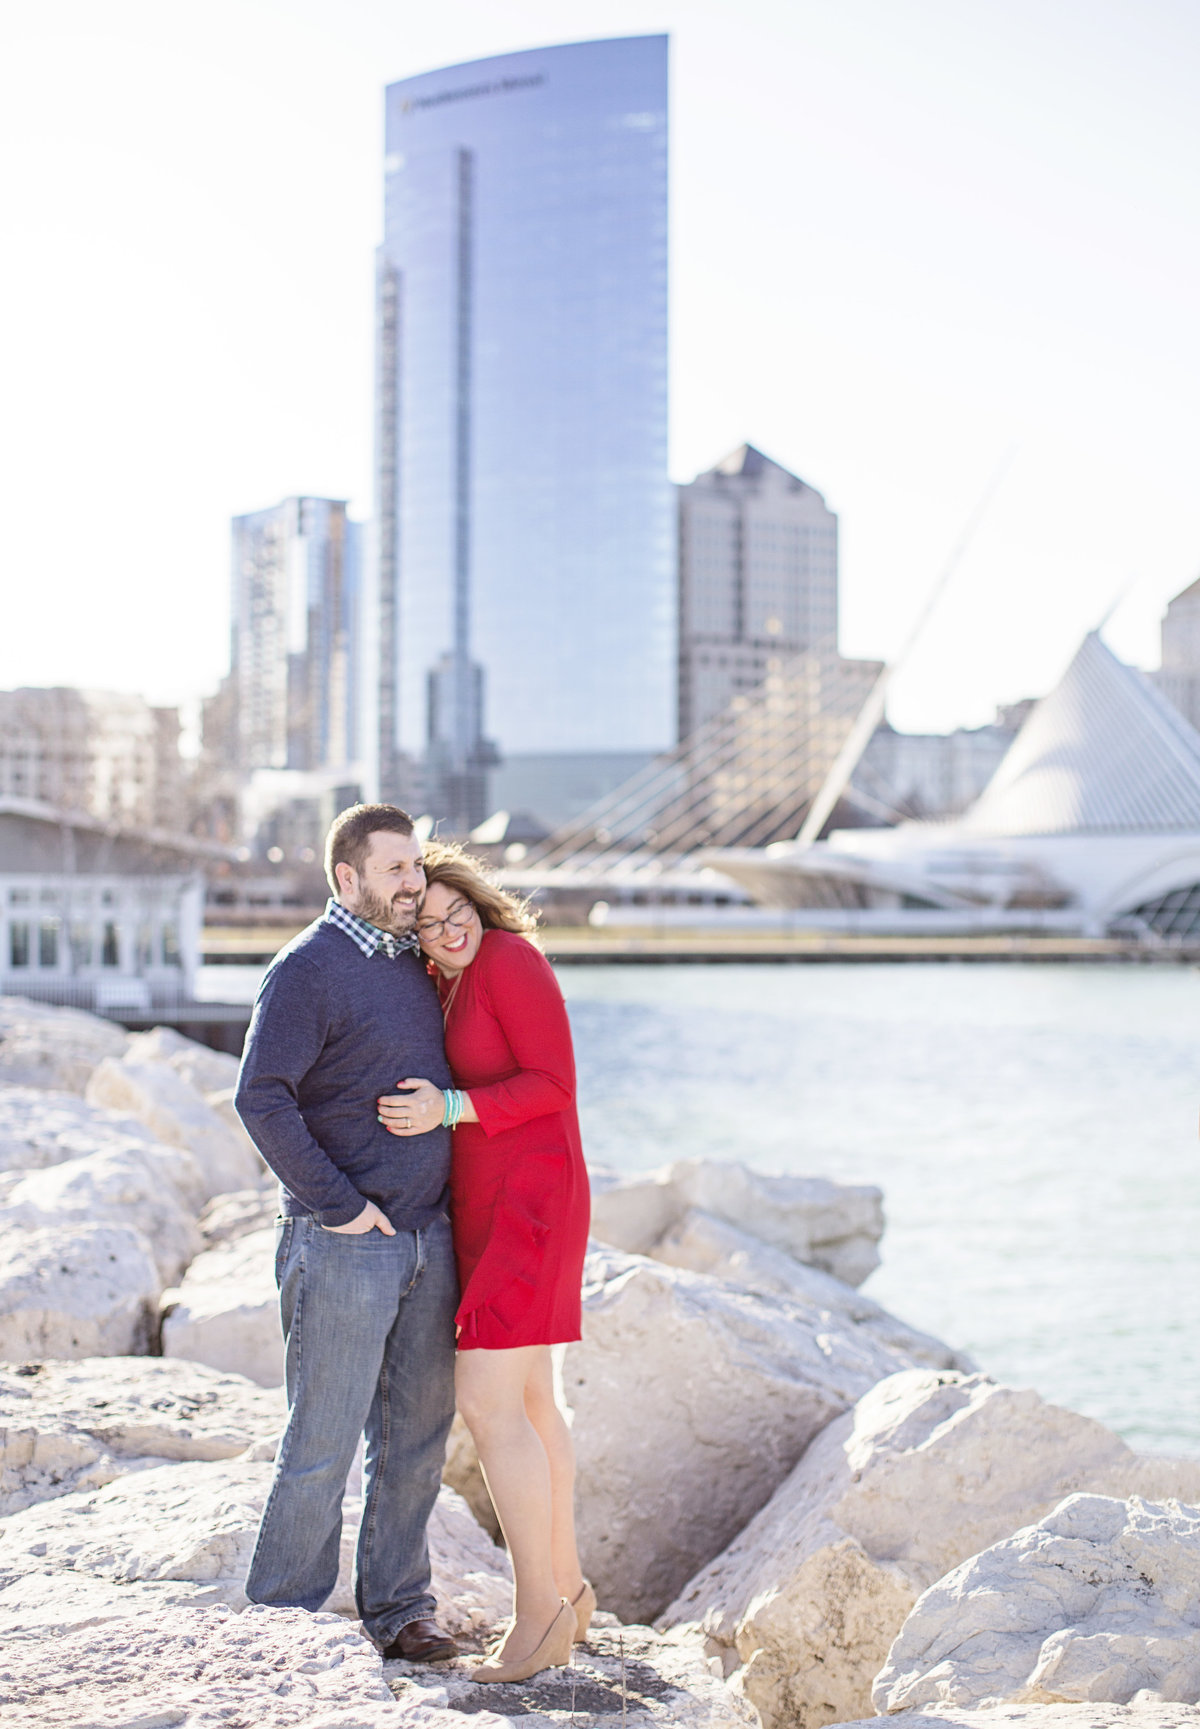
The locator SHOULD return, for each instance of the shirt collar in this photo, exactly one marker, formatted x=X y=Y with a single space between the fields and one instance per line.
x=367 y=937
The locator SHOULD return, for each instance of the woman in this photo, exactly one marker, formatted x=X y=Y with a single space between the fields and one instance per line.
x=519 y=1208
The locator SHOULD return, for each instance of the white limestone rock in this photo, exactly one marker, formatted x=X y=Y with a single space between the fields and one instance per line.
x=692 y=1401
x=226 y=1310
x=188 y=1668
x=1142 y=1714
x=68 y=1427
x=77 y=1290
x=833 y=1226
x=227 y=1218
x=472 y=1578
x=705 y=1244
x=623 y=1675
x=143 y=1186
x=928 y=1469
x=39 y=1128
x=1098 y=1601
x=155 y=1093
x=205 y=1070
x=44 y=1046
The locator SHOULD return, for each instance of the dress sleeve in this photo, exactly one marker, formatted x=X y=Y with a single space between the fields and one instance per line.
x=522 y=992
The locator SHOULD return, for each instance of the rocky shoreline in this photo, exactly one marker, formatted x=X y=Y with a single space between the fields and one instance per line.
x=798 y=1510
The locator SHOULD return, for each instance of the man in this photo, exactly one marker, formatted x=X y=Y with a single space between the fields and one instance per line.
x=363 y=1258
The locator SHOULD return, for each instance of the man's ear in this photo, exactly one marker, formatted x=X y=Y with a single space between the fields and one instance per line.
x=347 y=877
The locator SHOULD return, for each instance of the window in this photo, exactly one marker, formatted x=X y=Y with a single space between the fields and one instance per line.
x=170 y=946
x=109 y=954
x=18 y=945
x=48 y=943
x=81 y=946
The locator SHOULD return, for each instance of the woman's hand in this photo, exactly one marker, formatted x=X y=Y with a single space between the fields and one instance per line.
x=414 y=1112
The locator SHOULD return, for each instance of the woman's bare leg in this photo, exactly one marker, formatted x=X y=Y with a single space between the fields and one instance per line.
x=555 y=1437
x=491 y=1396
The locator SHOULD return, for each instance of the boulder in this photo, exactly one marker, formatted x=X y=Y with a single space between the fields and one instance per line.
x=1098 y=1601
x=623 y=1675
x=705 y=1244
x=226 y=1218
x=158 y=1096
x=143 y=1186
x=43 y=1046
x=925 y=1471
x=40 y=1128
x=77 y=1290
x=67 y=1427
x=1144 y=1714
x=692 y=1401
x=205 y=1070
x=833 y=1226
x=187 y=1530
x=188 y=1668
x=226 y=1310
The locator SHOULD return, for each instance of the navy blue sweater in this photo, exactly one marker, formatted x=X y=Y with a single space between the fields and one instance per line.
x=332 y=1031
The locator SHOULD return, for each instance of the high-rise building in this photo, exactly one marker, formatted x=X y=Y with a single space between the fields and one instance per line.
x=524 y=561
x=758 y=580
x=103 y=753
x=294 y=649
x=1179 y=678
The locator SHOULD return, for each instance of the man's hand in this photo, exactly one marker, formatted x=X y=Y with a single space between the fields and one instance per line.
x=370 y=1219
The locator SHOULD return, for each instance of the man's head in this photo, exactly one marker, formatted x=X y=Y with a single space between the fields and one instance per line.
x=375 y=867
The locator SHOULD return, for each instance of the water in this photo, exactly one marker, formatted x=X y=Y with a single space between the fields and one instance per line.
x=1033 y=1128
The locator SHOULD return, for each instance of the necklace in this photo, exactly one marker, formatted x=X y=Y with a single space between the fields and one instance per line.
x=448 y=1003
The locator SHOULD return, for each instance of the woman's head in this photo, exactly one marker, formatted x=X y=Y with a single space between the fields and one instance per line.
x=461 y=902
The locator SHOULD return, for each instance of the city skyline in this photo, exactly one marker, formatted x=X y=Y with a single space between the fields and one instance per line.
x=901 y=245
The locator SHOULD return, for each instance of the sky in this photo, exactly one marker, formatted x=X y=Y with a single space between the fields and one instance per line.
x=916 y=245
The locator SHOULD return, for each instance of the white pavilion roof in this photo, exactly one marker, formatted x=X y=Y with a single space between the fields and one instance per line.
x=1103 y=753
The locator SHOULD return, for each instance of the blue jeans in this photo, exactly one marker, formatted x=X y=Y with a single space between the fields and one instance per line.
x=368 y=1322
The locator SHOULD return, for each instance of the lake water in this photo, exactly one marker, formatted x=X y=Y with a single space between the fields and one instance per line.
x=1033 y=1128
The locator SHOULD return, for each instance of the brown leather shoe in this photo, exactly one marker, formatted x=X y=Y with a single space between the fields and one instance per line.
x=420 y=1642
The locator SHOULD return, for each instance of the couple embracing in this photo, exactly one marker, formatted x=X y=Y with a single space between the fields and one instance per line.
x=408 y=1076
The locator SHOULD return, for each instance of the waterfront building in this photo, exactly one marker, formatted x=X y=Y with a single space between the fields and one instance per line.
x=294 y=634
x=1090 y=825
x=94 y=915
x=758 y=580
x=523 y=600
x=103 y=753
x=1179 y=677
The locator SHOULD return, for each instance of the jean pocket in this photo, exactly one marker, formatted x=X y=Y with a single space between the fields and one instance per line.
x=284 y=1229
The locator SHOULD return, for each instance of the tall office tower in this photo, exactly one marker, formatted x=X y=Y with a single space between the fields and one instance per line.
x=524 y=538
x=294 y=654
x=1179 y=679
x=758 y=579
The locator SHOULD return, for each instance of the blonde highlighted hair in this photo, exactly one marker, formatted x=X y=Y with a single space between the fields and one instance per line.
x=447 y=863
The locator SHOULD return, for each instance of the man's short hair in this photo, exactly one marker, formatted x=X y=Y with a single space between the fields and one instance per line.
x=350 y=832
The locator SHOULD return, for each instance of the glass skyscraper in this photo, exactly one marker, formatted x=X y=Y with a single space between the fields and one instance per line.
x=524 y=558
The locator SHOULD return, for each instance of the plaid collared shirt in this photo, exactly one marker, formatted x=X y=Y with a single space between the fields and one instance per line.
x=369 y=938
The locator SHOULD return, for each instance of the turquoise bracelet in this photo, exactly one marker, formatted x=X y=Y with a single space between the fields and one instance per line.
x=453 y=1107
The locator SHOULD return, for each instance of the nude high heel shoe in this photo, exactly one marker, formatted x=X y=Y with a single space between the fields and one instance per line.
x=584 y=1606
x=554 y=1652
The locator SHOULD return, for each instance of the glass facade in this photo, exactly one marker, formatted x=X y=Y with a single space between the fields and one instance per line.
x=524 y=559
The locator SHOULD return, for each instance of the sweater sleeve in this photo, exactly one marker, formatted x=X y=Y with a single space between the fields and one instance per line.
x=287 y=1034
x=522 y=992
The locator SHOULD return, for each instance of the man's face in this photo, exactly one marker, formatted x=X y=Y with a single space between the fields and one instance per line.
x=387 y=891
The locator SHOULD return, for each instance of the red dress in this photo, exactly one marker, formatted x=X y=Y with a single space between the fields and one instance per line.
x=520 y=1203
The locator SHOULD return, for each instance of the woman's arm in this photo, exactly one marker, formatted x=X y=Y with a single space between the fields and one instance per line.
x=522 y=992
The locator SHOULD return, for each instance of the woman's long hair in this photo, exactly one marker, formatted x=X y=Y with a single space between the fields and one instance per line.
x=446 y=862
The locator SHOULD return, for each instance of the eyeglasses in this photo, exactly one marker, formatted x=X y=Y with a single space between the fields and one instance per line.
x=460 y=914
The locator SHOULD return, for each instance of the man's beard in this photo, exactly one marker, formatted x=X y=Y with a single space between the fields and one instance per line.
x=385 y=915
